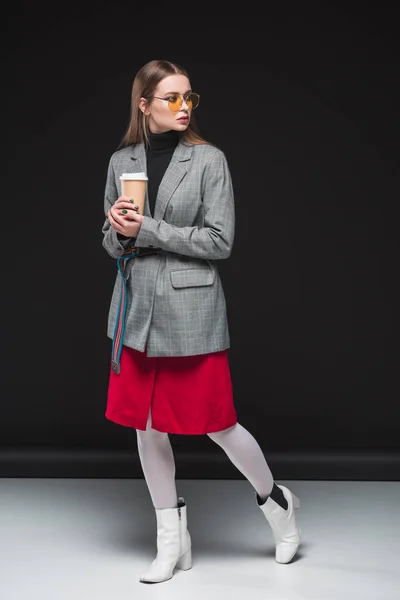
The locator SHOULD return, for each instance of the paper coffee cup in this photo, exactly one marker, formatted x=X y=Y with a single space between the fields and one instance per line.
x=133 y=185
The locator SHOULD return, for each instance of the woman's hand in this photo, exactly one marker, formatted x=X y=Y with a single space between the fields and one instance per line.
x=127 y=223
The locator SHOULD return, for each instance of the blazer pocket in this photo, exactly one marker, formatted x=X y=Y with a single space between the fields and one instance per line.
x=192 y=277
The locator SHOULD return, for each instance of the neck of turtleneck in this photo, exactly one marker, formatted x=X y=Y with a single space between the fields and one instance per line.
x=158 y=156
x=162 y=142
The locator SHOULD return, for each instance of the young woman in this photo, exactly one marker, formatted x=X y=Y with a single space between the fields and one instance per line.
x=167 y=320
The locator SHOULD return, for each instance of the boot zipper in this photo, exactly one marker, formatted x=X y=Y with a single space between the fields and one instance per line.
x=180 y=531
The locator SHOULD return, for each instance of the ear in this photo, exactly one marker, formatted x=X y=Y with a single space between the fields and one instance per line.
x=144 y=107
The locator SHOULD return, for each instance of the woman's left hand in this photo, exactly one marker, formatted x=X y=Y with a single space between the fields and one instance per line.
x=128 y=223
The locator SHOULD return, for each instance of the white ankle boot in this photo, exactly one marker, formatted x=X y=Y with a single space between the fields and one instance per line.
x=285 y=530
x=173 y=544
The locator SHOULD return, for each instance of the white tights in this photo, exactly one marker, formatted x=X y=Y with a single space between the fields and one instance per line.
x=158 y=462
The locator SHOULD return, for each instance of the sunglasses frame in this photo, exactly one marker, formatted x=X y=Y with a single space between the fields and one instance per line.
x=182 y=98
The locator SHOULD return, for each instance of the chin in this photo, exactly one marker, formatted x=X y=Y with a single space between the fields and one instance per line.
x=181 y=126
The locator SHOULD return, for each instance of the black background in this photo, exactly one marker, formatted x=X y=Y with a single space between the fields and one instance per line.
x=304 y=101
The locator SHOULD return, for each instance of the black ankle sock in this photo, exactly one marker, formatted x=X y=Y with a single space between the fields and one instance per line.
x=276 y=495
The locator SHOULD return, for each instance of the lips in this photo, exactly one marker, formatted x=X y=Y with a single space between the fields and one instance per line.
x=184 y=119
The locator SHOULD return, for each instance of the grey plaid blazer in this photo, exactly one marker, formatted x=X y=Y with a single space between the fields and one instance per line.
x=175 y=301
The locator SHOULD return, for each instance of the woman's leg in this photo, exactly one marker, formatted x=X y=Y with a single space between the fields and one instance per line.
x=158 y=464
x=245 y=453
x=247 y=456
x=173 y=538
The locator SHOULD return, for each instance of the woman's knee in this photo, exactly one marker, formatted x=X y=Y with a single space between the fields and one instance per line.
x=151 y=436
x=219 y=436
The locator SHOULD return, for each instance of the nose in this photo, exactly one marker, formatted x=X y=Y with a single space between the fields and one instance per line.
x=185 y=104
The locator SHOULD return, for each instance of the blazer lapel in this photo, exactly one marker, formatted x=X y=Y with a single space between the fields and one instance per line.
x=174 y=174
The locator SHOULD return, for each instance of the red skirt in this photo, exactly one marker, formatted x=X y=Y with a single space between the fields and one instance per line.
x=190 y=395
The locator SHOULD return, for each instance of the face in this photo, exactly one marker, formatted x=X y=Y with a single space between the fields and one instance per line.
x=160 y=117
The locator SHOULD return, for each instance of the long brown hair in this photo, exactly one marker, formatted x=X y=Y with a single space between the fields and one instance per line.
x=144 y=85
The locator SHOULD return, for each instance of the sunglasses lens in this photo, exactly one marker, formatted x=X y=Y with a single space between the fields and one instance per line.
x=174 y=103
x=193 y=100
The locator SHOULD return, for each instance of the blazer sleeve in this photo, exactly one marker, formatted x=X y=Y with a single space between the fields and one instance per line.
x=214 y=240
x=112 y=242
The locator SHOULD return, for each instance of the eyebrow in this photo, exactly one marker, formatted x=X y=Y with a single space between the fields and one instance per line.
x=177 y=93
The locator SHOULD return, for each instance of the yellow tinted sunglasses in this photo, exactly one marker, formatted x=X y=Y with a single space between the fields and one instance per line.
x=175 y=101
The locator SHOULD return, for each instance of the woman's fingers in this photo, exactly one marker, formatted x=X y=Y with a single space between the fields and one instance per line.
x=115 y=222
x=122 y=200
x=119 y=215
x=126 y=204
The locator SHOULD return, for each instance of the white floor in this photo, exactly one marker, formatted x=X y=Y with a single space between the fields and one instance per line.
x=77 y=539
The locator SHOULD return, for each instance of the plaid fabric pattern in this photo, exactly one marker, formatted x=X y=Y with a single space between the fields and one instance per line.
x=175 y=304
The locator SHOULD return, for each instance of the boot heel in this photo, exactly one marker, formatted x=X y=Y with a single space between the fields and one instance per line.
x=296 y=501
x=185 y=561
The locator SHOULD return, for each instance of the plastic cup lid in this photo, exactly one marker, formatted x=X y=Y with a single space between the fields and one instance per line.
x=141 y=176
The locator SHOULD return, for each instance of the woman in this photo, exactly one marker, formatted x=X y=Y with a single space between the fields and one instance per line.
x=168 y=321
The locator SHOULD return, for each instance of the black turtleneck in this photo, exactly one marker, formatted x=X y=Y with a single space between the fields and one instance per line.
x=159 y=153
